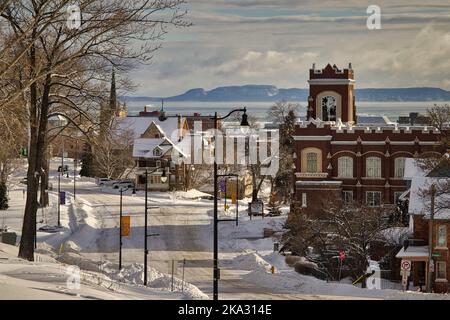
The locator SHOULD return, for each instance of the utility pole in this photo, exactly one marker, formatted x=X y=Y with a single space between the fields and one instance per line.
x=430 y=240
x=75 y=162
x=120 y=231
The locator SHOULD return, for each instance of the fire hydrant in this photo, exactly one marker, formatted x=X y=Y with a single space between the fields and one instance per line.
x=272 y=270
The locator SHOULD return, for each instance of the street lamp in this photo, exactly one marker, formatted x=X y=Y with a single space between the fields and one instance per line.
x=146 y=235
x=120 y=225
x=216 y=271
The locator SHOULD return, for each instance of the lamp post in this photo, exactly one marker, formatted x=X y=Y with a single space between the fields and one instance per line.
x=146 y=235
x=75 y=162
x=216 y=271
x=430 y=239
x=120 y=225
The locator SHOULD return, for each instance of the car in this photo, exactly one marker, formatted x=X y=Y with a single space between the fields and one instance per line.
x=103 y=181
x=66 y=168
x=123 y=184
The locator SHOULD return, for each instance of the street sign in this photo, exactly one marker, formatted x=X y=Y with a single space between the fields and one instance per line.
x=24 y=152
x=405 y=282
x=342 y=256
x=62 y=197
x=234 y=198
x=437 y=254
x=406 y=265
x=222 y=186
x=126 y=226
x=405 y=274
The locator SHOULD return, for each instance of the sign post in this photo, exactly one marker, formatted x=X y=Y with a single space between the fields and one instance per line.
x=342 y=257
x=405 y=272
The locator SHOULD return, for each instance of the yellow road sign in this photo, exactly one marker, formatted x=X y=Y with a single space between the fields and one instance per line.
x=126 y=226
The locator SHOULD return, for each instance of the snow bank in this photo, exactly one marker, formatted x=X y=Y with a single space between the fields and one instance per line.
x=134 y=274
x=192 y=194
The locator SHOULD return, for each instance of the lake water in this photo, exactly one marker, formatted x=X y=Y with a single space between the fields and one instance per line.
x=392 y=110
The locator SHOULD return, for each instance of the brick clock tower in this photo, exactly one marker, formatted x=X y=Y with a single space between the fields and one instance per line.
x=332 y=94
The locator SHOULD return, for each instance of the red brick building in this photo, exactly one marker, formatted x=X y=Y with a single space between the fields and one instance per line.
x=349 y=158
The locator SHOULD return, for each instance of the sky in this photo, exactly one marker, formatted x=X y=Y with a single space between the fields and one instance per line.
x=237 y=42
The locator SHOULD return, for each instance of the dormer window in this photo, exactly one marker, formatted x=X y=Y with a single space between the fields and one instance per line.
x=157 y=152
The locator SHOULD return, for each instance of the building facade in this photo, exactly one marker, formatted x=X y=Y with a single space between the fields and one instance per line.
x=342 y=157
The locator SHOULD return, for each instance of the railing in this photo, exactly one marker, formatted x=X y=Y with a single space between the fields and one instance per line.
x=311 y=175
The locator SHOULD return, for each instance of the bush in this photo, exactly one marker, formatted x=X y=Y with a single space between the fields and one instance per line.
x=3 y=196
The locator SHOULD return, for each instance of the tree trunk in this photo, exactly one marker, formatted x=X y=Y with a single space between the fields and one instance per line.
x=38 y=126
x=44 y=201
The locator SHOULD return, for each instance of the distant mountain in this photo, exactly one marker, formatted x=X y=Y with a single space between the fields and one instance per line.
x=255 y=93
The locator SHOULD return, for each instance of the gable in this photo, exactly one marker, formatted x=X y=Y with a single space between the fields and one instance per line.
x=153 y=131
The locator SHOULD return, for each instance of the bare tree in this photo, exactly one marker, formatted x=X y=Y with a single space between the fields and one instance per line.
x=63 y=69
x=359 y=231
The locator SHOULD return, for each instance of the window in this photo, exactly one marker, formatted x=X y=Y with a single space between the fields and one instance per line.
x=157 y=152
x=373 y=198
x=373 y=167
x=158 y=164
x=311 y=160
x=345 y=167
x=441 y=270
x=442 y=236
x=347 y=197
x=399 y=167
x=329 y=108
x=397 y=196
x=304 y=200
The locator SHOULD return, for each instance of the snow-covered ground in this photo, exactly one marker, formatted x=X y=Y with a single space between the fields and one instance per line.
x=89 y=238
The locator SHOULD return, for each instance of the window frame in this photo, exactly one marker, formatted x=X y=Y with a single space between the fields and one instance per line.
x=373 y=193
x=370 y=166
x=348 y=170
x=438 y=236
x=344 y=198
x=438 y=275
x=397 y=167
x=316 y=166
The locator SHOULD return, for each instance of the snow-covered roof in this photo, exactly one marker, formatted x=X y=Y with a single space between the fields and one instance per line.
x=144 y=147
x=412 y=169
x=419 y=205
x=375 y=120
x=140 y=124
x=413 y=252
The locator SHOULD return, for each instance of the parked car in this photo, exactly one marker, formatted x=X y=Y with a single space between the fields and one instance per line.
x=123 y=184
x=103 y=181
x=66 y=168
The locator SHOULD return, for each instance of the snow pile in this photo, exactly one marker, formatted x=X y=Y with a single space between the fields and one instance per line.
x=250 y=261
x=192 y=194
x=134 y=274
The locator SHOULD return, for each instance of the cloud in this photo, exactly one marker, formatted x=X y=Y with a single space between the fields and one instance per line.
x=278 y=48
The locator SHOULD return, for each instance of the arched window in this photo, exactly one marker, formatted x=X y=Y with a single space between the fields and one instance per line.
x=345 y=167
x=399 y=167
x=311 y=160
x=373 y=167
x=329 y=106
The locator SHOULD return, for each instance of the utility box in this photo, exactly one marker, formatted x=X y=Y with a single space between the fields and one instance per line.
x=8 y=238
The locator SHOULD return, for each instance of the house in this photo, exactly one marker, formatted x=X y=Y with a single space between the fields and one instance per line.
x=417 y=248
x=156 y=150
x=342 y=157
